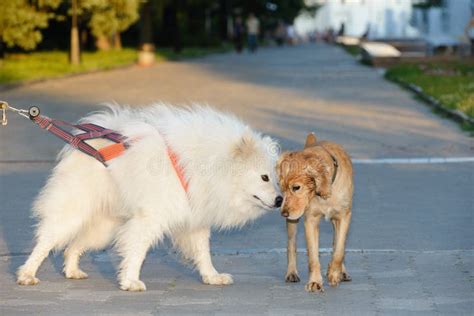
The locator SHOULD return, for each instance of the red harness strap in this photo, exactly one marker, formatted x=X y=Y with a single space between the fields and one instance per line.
x=92 y=131
x=179 y=170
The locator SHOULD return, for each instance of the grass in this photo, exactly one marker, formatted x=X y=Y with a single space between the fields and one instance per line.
x=451 y=83
x=52 y=64
x=354 y=50
x=42 y=65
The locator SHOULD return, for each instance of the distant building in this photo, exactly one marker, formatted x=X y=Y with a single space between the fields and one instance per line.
x=444 y=25
x=375 y=18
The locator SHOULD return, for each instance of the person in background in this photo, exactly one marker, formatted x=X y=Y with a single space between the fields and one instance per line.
x=470 y=33
x=280 y=33
x=253 y=29
x=365 y=36
x=238 y=34
x=291 y=34
x=342 y=30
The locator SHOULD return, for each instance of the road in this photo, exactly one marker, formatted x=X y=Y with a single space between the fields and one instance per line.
x=410 y=248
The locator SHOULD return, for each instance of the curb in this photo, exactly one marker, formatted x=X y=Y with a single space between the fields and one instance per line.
x=434 y=103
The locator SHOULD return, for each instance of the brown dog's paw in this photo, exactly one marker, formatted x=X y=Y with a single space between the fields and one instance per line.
x=314 y=287
x=334 y=277
x=292 y=277
x=346 y=277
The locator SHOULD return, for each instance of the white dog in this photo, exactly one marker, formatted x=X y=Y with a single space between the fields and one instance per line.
x=138 y=199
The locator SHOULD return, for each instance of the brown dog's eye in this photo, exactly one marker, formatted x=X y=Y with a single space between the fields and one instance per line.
x=295 y=188
x=265 y=178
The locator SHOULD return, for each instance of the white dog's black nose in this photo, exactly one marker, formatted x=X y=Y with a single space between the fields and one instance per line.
x=278 y=201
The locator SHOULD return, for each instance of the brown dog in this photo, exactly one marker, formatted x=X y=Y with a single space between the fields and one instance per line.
x=317 y=182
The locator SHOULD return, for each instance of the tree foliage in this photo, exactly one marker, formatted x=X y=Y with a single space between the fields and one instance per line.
x=163 y=22
x=21 y=21
x=109 y=17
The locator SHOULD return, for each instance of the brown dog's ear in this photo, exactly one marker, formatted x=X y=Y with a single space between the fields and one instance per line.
x=283 y=166
x=320 y=176
x=310 y=140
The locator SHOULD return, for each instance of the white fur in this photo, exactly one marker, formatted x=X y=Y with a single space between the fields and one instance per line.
x=138 y=199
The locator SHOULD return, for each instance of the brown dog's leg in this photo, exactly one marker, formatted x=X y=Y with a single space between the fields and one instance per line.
x=311 y=226
x=292 y=272
x=345 y=275
x=336 y=267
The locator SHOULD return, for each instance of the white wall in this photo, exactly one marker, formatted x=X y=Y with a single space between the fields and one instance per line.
x=446 y=23
x=457 y=15
x=387 y=18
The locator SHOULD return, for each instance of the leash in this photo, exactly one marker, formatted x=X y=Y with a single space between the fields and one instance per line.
x=90 y=131
x=58 y=128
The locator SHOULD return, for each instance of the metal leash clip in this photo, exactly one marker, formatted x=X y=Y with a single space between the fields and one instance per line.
x=4 y=107
x=31 y=113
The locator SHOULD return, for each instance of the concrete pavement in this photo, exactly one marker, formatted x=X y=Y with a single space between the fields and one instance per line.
x=411 y=241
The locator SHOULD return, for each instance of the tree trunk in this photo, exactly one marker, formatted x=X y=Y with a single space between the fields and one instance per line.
x=146 y=27
x=223 y=17
x=2 y=49
x=117 y=41
x=176 y=26
x=75 y=52
x=102 y=43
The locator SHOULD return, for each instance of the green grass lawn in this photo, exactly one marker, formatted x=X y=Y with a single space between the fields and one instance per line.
x=451 y=83
x=42 y=65
x=354 y=50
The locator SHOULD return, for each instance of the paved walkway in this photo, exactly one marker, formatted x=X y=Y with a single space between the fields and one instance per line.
x=411 y=242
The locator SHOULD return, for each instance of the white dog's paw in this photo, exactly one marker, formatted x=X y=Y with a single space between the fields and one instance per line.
x=27 y=279
x=77 y=274
x=218 y=279
x=132 y=285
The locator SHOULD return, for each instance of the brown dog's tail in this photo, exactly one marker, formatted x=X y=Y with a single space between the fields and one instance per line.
x=310 y=140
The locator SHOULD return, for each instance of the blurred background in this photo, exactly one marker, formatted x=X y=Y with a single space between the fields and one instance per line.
x=27 y=25
x=433 y=40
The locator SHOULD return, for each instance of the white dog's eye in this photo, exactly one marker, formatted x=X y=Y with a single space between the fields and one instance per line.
x=295 y=188
x=265 y=178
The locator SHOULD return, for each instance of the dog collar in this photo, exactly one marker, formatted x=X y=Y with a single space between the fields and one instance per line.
x=336 y=165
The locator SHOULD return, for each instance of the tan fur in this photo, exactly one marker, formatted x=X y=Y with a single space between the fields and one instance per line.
x=306 y=182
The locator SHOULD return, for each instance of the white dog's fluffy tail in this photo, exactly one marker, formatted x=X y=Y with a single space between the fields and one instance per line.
x=78 y=188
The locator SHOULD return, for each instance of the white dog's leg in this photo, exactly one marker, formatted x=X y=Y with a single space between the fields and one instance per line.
x=195 y=246
x=49 y=236
x=26 y=274
x=96 y=236
x=133 y=242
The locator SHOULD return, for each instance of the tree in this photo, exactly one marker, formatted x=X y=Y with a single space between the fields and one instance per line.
x=21 y=21
x=109 y=18
x=75 y=49
x=426 y=4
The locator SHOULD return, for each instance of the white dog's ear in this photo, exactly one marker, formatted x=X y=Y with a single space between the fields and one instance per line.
x=245 y=147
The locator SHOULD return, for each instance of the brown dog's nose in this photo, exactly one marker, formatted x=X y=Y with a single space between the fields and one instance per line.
x=285 y=214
